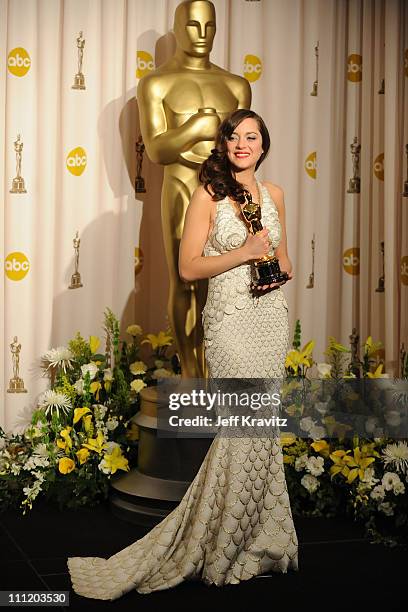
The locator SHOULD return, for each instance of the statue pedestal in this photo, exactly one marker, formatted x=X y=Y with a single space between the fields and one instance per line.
x=166 y=467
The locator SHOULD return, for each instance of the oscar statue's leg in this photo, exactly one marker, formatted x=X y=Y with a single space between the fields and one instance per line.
x=186 y=300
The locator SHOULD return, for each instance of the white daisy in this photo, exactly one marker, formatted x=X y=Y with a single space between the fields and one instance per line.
x=54 y=402
x=400 y=391
x=378 y=493
x=389 y=480
x=315 y=465
x=396 y=455
x=59 y=357
x=310 y=483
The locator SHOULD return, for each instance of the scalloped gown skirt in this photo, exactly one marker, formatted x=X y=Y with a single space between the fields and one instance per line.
x=235 y=521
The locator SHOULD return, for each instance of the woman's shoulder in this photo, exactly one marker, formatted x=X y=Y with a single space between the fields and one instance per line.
x=274 y=190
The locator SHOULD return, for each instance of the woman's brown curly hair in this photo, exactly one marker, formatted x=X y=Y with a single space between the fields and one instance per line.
x=215 y=171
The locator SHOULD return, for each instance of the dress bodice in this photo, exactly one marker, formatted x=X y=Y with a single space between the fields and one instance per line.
x=230 y=290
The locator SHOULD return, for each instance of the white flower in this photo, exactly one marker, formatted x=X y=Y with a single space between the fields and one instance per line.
x=110 y=446
x=134 y=330
x=400 y=391
x=162 y=373
x=306 y=423
x=310 y=483
x=53 y=401
x=378 y=493
x=90 y=368
x=399 y=488
x=317 y=432
x=301 y=463
x=59 y=357
x=324 y=370
x=137 y=385
x=112 y=423
x=321 y=407
x=392 y=417
x=370 y=424
x=387 y=508
x=108 y=375
x=23 y=419
x=315 y=465
x=138 y=367
x=396 y=455
x=99 y=411
x=369 y=478
x=389 y=480
x=79 y=386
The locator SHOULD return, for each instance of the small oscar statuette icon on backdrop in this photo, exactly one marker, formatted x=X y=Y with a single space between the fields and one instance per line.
x=139 y=180
x=354 y=183
x=310 y=284
x=266 y=270
x=18 y=185
x=16 y=384
x=76 y=277
x=381 y=280
x=79 y=81
x=314 y=91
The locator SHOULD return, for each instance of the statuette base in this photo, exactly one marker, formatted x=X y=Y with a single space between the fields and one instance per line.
x=18 y=185
x=79 y=82
x=75 y=281
x=16 y=385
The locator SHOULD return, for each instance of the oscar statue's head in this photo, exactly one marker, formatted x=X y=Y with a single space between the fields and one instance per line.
x=194 y=27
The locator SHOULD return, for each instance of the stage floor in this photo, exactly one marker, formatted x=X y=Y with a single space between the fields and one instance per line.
x=338 y=568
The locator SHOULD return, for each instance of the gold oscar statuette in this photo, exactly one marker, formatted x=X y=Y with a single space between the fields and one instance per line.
x=381 y=280
x=18 y=185
x=76 y=277
x=16 y=384
x=139 y=180
x=179 y=130
x=354 y=183
x=314 y=91
x=266 y=270
x=79 y=80
x=310 y=284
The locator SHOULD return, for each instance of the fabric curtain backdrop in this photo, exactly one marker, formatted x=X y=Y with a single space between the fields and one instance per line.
x=78 y=163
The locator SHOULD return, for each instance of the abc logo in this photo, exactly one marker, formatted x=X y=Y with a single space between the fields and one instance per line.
x=144 y=64
x=252 y=67
x=311 y=165
x=351 y=260
x=139 y=259
x=379 y=166
x=18 y=62
x=406 y=62
x=16 y=266
x=404 y=270
x=354 y=67
x=76 y=161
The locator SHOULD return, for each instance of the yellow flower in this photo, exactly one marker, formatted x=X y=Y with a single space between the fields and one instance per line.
x=79 y=413
x=371 y=347
x=322 y=447
x=137 y=385
x=350 y=466
x=94 y=388
x=61 y=444
x=287 y=439
x=96 y=444
x=138 y=367
x=295 y=358
x=64 y=433
x=377 y=373
x=87 y=421
x=115 y=461
x=94 y=343
x=162 y=339
x=66 y=465
x=289 y=459
x=134 y=330
x=82 y=455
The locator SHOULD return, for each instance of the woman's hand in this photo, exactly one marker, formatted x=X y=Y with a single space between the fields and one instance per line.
x=257 y=245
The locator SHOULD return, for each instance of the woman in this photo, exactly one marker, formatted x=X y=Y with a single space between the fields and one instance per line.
x=235 y=521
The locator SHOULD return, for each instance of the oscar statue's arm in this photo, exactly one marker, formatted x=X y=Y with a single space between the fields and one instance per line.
x=164 y=145
x=243 y=93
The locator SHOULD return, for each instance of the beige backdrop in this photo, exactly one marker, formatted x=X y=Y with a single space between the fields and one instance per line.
x=90 y=189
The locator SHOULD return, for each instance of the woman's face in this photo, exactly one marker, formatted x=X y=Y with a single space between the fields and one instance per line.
x=244 y=146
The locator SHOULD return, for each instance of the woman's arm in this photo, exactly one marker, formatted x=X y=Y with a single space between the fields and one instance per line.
x=192 y=264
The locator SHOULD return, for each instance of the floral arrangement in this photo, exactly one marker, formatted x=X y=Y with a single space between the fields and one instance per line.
x=331 y=472
x=81 y=433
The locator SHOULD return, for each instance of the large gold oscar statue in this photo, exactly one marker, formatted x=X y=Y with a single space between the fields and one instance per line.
x=181 y=105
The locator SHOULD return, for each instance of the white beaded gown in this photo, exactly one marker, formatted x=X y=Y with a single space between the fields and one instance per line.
x=235 y=521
